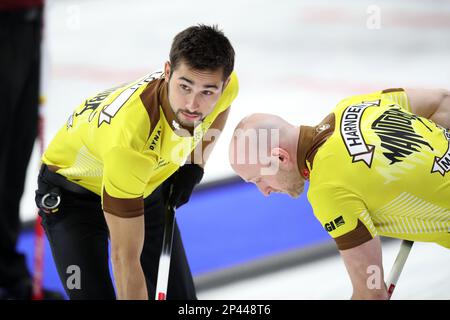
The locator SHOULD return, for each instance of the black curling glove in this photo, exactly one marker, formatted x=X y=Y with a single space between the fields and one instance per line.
x=183 y=182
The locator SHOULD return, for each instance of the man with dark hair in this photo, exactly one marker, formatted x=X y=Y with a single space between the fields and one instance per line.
x=201 y=50
x=111 y=167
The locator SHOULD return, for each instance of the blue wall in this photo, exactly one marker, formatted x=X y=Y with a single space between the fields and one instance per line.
x=226 y=226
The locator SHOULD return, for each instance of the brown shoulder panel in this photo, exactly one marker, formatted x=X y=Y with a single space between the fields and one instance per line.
x=149 y=98
x=392 y=90
x=354 y=238
x=124 y=208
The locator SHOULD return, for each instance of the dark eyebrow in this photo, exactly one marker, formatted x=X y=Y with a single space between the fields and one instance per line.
x=186 y=79
x=205 y=86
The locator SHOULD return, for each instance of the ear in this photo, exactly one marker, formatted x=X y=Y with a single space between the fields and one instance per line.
x=167 y=69
x=282 y=155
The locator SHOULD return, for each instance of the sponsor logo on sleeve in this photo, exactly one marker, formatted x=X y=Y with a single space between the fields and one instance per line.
x=161 y=163
x=156 y=136
x=336 y=223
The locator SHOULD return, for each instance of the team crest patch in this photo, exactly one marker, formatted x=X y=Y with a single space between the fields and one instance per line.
x=322 y=127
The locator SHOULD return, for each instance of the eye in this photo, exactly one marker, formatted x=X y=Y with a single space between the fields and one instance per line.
x=185 y=87
x=207 y=93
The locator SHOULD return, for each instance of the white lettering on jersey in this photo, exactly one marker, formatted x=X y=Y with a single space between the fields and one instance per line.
x=352 y=135
x=70 y=121
x=111 y=110
x=442 y=164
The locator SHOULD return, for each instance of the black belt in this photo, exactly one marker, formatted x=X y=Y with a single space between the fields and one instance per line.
x=61 y=181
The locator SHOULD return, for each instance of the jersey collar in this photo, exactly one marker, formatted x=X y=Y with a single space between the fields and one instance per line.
x=305 y=142
x=309 y=141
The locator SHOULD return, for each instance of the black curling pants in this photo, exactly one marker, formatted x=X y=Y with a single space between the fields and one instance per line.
x=78 y=236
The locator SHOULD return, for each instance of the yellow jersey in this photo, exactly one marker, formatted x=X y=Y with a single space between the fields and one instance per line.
x=124 y=142
x=378 y=169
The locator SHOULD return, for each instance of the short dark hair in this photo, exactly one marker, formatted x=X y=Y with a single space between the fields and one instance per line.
x=203 y=48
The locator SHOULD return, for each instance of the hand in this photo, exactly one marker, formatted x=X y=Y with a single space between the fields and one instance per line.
x=183 y=182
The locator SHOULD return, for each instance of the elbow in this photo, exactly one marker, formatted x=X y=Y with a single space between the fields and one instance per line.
x=440 y=96
x=444 y=98
x=445 y=102
x=442 y=114
x=445 y=93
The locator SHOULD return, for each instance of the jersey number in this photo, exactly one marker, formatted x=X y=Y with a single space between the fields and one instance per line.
x=110 y=111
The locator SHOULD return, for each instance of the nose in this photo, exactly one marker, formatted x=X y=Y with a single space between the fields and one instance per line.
x=192 y=103
x=264 y=189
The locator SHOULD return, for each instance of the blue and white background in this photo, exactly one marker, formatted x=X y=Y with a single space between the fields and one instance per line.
x=293 y=58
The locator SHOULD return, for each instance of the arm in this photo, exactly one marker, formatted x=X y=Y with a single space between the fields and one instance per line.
x=202 y=151
x=127 y=241
x=433 y=104
x=365 y=269
x=346 y=218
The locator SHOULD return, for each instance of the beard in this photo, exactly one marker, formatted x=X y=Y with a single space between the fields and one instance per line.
x=292 y=182
x=186 y=123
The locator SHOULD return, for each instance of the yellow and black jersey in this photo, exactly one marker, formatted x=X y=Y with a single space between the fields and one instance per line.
x=378 y=169
x=124 y=142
